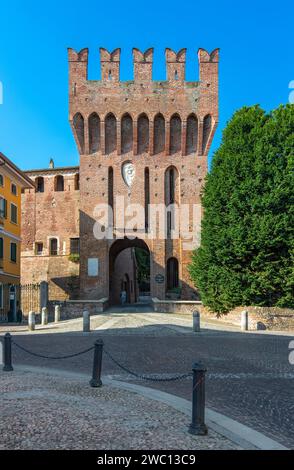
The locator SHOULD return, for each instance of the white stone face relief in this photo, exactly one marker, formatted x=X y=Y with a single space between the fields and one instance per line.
x=128 y=173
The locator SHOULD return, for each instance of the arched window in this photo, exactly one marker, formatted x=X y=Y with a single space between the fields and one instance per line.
x=53 y=246
x=77 y=181
x=94 y=133
x=175 y=134
x=78 y=123
x=172 y=273
x=39 y=184
x=110 y=133
x=143 y=134
x=147 y=197
x=192 y=134
x=171 y=186
x=59 y=183
x=206 y=132
x=110 y=192
x=126 y=134
x=159 y=133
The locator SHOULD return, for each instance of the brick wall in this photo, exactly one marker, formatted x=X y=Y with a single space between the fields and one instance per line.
x=150 y=124
x=259 y=318
x=45 y=215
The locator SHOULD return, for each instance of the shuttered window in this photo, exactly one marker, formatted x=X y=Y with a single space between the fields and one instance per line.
x=3 y=207
x=13 y=213
x=13 y=252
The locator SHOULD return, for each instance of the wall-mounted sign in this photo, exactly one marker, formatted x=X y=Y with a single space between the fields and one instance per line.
x=159 y=278
x=93 y=267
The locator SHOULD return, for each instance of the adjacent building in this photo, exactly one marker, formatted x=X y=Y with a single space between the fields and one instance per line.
x=12 y=183
x=50 y=231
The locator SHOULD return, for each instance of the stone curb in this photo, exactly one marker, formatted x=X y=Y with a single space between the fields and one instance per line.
x=242 y=435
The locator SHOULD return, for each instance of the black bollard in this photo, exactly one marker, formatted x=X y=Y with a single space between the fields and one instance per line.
x=7 y=353
x=198 y=427
x=97 y=364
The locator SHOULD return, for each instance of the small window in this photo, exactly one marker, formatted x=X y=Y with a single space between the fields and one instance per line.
x=39 y=184
x=74 y=246
x=13 y=252
x=13 y=213
x=59 y=183
x=39 y=248
x=3 y=207
x=1 y=248
x=13 y=189
x=1 y=180
x=77 y=181
x=53 y=246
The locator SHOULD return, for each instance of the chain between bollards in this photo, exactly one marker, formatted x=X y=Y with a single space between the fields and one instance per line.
x=97 y=364
x=198 y=426
x=7 y=353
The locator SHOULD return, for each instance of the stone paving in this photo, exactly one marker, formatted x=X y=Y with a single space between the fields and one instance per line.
x=40 y=411
x=249 y=377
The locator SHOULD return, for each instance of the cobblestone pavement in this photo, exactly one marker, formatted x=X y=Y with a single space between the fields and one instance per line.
x=249 y=377
x=47 y=412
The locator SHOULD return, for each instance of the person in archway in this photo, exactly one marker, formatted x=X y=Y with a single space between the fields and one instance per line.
x=123 y=297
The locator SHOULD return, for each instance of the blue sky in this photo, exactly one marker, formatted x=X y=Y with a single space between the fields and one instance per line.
x=256 y=61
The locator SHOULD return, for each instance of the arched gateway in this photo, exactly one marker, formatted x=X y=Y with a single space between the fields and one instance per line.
x=129 y=271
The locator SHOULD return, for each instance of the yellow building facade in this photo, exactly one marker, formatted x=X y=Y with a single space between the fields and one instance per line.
x=12 y=182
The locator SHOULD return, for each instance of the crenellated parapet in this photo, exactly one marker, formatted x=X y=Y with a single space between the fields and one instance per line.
x=103 y=112
x=208 y=66
x=175 y=65
x=78 y=64
x=110 y=64
x=143 y=64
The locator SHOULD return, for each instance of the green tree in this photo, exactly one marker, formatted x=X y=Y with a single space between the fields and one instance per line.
x=143 y=268
x=247 y=243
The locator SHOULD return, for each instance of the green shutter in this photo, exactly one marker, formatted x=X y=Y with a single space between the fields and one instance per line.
x=13 y=252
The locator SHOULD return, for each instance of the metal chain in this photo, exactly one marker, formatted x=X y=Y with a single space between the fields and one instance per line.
x=145 y=377
x=51 y=357
x=139 y=376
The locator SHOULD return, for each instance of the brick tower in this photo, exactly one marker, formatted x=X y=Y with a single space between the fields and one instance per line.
x=142 y=143
x=161 y=129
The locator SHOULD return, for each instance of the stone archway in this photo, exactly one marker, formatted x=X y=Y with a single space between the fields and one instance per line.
x=125 y=270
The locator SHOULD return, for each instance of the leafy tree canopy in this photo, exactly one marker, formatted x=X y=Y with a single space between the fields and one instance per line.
x=247 y=242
